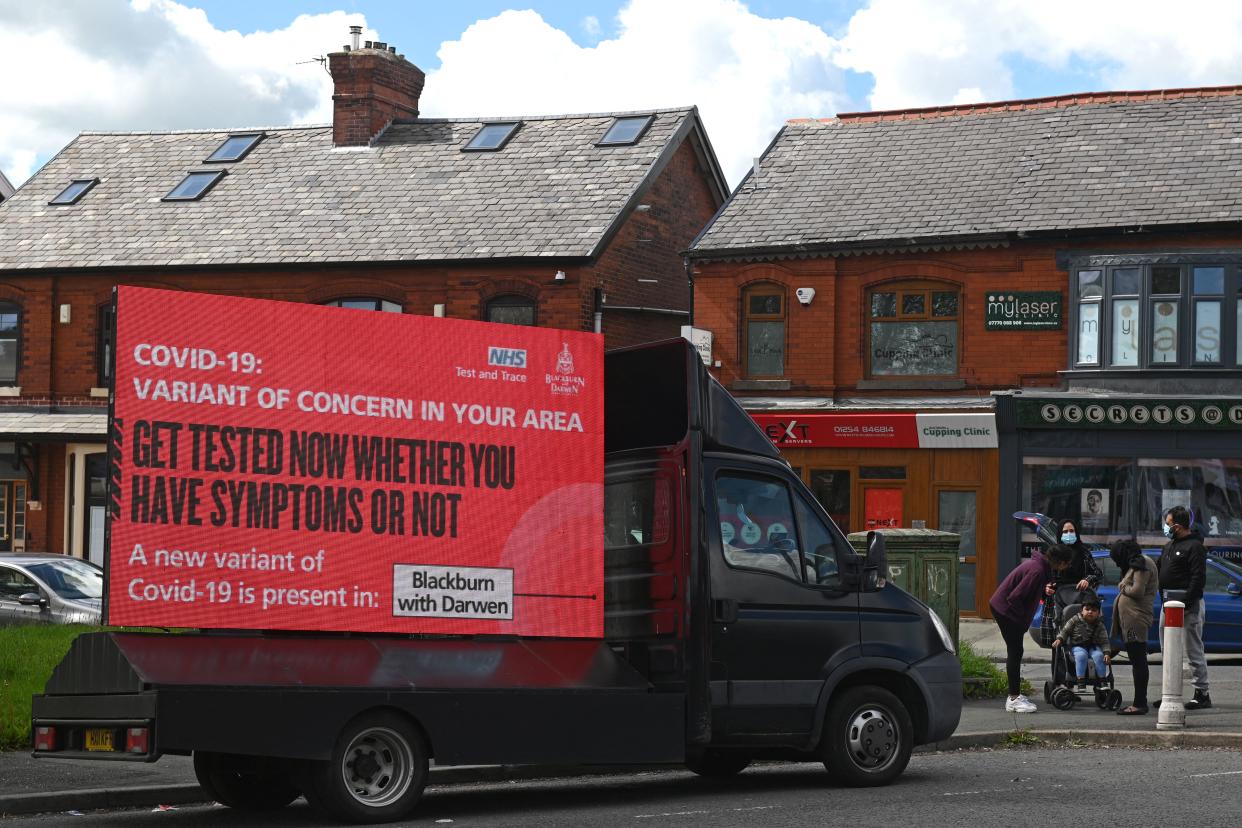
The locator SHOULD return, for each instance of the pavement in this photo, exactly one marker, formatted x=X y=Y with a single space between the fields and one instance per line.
x=30 y=786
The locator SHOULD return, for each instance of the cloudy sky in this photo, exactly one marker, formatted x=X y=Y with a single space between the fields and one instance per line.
x=73 y=65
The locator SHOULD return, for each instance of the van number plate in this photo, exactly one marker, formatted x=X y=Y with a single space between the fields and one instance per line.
x=98 y=738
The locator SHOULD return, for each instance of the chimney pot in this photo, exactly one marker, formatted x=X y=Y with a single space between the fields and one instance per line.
x=392 y=49
x=368 y=44
x=355 y=32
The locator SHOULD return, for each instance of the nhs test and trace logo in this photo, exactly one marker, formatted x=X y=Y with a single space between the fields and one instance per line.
x=506 y=357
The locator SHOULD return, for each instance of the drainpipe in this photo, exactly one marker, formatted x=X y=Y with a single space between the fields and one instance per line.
x=685 y=260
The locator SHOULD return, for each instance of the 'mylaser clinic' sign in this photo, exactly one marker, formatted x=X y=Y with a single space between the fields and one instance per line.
x=1023 y=310
x=288 y=466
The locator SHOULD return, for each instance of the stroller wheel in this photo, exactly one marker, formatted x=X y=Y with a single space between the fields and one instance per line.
x=1063 y=698
x=1114 y=700
x=1101 y=698
x=1048 y=692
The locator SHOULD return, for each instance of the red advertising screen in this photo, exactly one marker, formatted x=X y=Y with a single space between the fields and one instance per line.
x=298 y=467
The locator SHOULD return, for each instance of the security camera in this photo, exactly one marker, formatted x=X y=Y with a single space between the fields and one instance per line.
x=805 y=295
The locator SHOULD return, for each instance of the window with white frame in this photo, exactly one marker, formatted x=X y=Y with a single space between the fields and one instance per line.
x=1157 y=315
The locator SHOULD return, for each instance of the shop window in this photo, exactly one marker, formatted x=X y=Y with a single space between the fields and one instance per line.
x=365 y=303
x=831 y=488
x=914 y=330
x=10 y=342
x=104 y=332
x=763 y=309
x=511 y=309
x=1112 y=499
x=1137 y=316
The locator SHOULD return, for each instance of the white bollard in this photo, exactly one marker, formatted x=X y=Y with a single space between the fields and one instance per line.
x=1172 y=711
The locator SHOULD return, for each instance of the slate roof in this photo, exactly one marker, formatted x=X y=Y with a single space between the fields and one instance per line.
x=6 y=189
x=30 y=425
x=1096 y=161
x=412 y=196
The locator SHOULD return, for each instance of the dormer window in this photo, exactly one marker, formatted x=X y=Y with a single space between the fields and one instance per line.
x=234 y=148
x=194 y=186
x=74 y=192
x=625 y=131
x=492 y=136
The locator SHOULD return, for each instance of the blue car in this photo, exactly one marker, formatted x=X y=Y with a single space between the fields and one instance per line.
x=1222 y=593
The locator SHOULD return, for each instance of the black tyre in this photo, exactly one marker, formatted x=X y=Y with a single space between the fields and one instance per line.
x=717 y=764
x=1102 y=698
x=377 y=771
x=1114 y=700
x=868 y=737
x=243 y=783
x=1048 y=685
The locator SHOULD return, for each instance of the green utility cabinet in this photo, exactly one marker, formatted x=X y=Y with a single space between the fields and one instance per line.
x=923 y=562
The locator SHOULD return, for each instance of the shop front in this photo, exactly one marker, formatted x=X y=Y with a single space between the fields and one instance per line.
x=881 y=469
x=1116 y=464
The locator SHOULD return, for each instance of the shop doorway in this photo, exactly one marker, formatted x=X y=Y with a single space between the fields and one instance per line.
x=96 y=502
x=12 y=515
x=957 y=512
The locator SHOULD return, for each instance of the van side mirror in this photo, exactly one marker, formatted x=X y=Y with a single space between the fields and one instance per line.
x=849 y=567
x=31 y=599
x=877 y=557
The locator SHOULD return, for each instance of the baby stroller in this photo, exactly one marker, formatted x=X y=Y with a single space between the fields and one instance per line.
x=1061 y=690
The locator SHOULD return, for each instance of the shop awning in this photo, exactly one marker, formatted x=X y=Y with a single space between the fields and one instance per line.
x=879 y=429
x=54 y=428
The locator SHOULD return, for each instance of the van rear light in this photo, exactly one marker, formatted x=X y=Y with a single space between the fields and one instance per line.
x=45 y=738
x=137 y=740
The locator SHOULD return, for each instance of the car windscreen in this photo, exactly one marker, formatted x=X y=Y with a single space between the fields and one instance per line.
x=71 y=579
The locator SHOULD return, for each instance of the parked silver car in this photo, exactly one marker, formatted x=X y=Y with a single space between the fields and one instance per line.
x=38 y=588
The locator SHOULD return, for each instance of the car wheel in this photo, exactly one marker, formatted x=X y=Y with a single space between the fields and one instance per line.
x=242 y=784
x=717 y=764
x=377 y=772
x=868 y=737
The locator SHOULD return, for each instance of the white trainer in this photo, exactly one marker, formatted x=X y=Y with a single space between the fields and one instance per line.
x=1020 y=705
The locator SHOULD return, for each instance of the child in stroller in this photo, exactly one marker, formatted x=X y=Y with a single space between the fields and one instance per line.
x=1079 y=653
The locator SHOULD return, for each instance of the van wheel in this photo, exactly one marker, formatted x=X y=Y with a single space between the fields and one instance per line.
x=868 y=737
x=717 y=764
x=377 y=771
x=243 y=784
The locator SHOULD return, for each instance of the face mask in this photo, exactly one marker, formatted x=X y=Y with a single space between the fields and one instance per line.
x=1168 y=531
x=1069 y=537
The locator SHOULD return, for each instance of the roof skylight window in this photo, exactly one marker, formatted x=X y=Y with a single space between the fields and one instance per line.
x=626 y=130
x=493 y=136
x=235 y=147
x=194 y=185
x=74 y=192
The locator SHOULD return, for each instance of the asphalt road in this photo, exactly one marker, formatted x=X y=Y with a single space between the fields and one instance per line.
x=1019 y=786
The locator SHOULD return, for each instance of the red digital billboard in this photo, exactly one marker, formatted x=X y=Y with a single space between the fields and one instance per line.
x=299 y=467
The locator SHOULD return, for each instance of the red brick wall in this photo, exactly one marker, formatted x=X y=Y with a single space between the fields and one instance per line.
x=825 y=342
x=371 y=88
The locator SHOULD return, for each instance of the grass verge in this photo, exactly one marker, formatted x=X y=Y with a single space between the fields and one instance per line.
x=981 y=679
x=28 y=655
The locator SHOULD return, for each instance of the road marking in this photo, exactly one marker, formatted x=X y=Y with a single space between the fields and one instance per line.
x=1001 y=790
x=1221 y=773
x=700 y=813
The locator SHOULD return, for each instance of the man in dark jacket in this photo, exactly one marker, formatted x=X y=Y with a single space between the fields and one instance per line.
x=1183 y=565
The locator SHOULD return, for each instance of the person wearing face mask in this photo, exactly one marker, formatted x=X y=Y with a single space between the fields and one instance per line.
x=1083 y=572
x=1132 y=614
x=1183 y=565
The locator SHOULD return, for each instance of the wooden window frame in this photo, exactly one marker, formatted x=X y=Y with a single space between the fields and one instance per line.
x=902 y=289
x=764 y=289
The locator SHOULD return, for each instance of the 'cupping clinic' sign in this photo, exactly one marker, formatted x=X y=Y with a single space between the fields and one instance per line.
x=879 y=430
x=287 y=466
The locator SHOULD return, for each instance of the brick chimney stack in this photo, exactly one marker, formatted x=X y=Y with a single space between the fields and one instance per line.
x=372 y=87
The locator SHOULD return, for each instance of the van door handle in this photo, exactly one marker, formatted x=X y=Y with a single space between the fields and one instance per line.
x=724 y=610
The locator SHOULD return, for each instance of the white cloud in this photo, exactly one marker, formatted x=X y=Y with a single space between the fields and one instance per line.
x=747 y=74
x=590 y=25
x=956 y=51
x=152 y=64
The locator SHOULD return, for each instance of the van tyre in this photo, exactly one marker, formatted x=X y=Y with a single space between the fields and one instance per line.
x=377 y=772
x=239 y=783
x=868 y=737
x=717 y=764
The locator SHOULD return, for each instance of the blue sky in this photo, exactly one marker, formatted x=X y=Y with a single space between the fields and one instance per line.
x=138 y=65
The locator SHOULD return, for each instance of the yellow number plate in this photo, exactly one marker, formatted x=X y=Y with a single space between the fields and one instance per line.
x=98 y=738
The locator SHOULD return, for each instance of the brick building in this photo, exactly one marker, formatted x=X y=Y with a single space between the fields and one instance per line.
x=573 y=222
x=946 y=315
